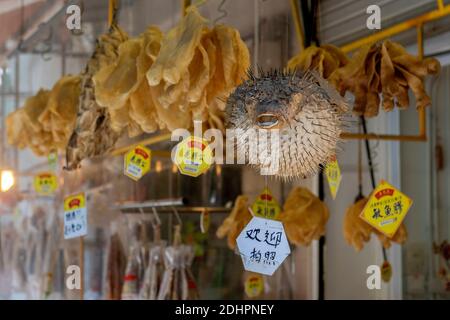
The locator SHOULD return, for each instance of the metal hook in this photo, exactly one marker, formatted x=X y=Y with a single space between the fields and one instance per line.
x=155 y=214
x=180 y=222
x=221 y=9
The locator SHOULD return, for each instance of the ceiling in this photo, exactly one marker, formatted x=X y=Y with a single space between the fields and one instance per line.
x=340 y=21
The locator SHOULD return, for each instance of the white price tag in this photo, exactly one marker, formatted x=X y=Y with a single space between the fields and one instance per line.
x=263 y=245
x=75 y=216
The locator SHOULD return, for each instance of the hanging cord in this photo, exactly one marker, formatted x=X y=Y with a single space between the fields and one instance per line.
x=360 y=182
x=372 y=173
x=113 y=13
x=222 y=10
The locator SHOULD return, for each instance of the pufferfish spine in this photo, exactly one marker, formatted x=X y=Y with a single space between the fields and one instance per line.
x=306 y=112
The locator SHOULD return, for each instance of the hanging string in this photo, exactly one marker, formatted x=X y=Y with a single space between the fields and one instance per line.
x=224 y=12
x=360 y=182
x=372 y=173
x=266 y=187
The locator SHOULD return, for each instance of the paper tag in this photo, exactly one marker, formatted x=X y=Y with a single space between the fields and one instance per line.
x=205 y=221
x=263 y=245
x=254 y=285
x=137 y=162
x=75 y=216
x=386 y=209
x=386 y=271
x=45 y=183
x=193 y=156
x=333 y=174
x=266 y=206
x=52 y=161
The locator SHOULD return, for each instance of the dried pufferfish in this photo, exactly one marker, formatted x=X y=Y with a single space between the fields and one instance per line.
x=93 y=134
x=308 y=112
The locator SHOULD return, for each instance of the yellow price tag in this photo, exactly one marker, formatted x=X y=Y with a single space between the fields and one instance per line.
x=266 y=206
x=333 y=174
x=254 y=285
x=45 y=183
x=137 y=162
x=193 y=156
x=386 y=209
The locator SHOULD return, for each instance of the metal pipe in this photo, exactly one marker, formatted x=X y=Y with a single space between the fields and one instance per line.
x=180 y=209
x=298 y=24
x=388 y=137
x=152 y=204
x=398 y=28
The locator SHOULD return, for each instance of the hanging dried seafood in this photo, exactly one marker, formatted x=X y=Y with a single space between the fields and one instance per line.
x=195 y=70
x=235 y=222
x=59 y=116
x=121 y=87
x=324 y=60
x=93 y=134
x=303 y=113
x=386 y=69
x=45 y=122
x=24 y=129
x=304 y=216
x=357 y=231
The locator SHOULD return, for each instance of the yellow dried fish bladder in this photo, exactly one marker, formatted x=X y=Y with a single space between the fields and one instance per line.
x=177 y=49
x=114 y=82
x=324 y=59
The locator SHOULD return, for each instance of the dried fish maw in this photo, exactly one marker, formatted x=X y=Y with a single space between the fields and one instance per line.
x=120 y=118
x=304 y=216
x=243 y=59
x=399 y=237
x=235 y=222
x=178 y=49
x=325 y=59
x=172 y=93
x=34 y=106
x=113 y=83
x=356 y=231
x=172 y=116
x=16 y=129
x=417 y=87
x=60 y=114
x=142 y=110
x=225 y=36
x=337 y=54
x=199 y=74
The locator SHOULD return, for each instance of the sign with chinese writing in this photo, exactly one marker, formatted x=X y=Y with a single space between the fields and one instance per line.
x=45 y=183
x=205 y=221
x=137 y=162
x=266 y=206
x=75 y=216
x=193 y=156
x=254 y=285
x=333 y=174
x=263 y=245
x=386 y=209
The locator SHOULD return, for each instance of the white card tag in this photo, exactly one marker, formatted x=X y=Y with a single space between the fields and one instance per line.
x=263 y=245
